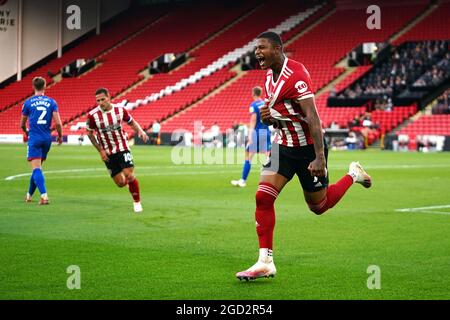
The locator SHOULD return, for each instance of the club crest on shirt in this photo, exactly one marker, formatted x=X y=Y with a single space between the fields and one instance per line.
x=301 y=87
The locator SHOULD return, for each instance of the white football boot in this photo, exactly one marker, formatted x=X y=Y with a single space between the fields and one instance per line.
x=137 y=207
x=359 y=175
x=239 y=183
x=261 y=269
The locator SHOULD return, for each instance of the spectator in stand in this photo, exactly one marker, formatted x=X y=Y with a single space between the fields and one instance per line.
x=351 y=141
x=367 y=121
x=425 y=63
x=442 y=104
x=334 y=125
x=356 y=122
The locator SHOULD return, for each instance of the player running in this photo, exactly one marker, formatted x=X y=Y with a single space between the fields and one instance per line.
x=39 y=111
x=258 y=137
x=300 y=149
x=112 y=142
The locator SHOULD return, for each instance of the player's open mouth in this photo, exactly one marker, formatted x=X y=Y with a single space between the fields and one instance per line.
x=261 y=61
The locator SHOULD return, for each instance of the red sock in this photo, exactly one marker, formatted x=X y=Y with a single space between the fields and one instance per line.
x=265 y=214
x=334 y=193
x=134 y=190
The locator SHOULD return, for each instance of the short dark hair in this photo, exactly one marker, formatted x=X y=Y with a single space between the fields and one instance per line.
x=273 y=37
x=39 y=83
x=257 y=91
x=102 y=90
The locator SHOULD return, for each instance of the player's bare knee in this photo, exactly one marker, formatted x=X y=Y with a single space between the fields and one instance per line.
x=121 y=183
x=318 y=210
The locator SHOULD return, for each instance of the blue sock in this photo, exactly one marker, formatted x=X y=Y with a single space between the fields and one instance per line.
x=246 y=170
x=39 y=180
x=32 y=187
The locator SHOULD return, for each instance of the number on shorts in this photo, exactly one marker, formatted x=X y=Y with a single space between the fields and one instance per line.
x=41 y=119
x=127 y=157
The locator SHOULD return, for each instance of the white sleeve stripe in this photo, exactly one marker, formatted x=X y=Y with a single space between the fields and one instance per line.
x=311 y=95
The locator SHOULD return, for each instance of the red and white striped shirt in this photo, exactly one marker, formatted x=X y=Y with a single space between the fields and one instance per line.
x=293 y=85
x=108 y=125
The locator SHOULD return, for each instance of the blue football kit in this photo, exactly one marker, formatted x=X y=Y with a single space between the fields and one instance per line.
x=261 y=134
x=39 y=110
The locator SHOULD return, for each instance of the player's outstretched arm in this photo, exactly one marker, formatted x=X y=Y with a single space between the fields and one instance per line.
x=318 y=166
x=58 y=126
x=137 y=128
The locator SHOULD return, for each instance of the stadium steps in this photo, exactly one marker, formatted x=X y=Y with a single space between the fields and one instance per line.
x=50 y=64
x=222 y=31
x=405 y=123
x=413 y=23
x=309 y=28
x=146 y=75
x=144 y=72
x=239 y=74
x=336 y=81
x=191 y=50
x=134 y=35
x=375 y=145
x=426 y=111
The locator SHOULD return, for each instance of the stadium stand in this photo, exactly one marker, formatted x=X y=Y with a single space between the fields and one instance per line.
x=203 y=56
x=442 y=103
x=436 y=123
x=207 y=89
x=432 y=27
x=121 y=71
x=322 y=70
x=414 y=64
x=428 y=125
x=114 y=32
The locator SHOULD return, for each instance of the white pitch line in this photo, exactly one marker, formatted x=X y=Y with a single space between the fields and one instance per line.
x=428 y=209
x=167 y=173
x=185 y=173
x=204 y=166
x=54 y=171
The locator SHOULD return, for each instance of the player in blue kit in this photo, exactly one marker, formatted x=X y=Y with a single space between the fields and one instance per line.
x=258 y=137
x=39 y=111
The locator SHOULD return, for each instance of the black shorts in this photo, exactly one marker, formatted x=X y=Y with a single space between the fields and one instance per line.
x=289 y=161
x=119 y=161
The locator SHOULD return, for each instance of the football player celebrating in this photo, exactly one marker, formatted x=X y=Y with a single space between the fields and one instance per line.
x=112 y=142
x=300 y=149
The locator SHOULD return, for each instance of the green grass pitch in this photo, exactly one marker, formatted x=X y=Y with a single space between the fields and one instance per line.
x=197 y=231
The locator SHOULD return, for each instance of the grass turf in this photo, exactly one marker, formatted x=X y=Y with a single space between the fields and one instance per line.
x=197 y=231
